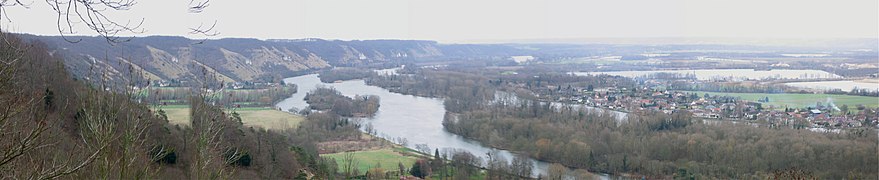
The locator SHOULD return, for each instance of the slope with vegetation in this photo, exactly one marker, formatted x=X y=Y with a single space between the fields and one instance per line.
x=61 y=127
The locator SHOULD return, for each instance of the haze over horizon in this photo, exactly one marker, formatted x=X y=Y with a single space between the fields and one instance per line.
x=494 y=21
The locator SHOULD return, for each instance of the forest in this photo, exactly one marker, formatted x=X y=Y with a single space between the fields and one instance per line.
x=657 y=145
x=730 y=87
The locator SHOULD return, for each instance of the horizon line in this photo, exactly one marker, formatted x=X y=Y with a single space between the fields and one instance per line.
x=670 y=40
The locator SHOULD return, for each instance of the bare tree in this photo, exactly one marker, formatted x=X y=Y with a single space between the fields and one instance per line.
x=401 y=168
x=557 y=171
x=349 y=164
x=93 y=14
x=208 y=124
x=423 y=148
x=10 y=56
x=522 y=166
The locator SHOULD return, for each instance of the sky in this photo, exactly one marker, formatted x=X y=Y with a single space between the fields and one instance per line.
x=487 y=20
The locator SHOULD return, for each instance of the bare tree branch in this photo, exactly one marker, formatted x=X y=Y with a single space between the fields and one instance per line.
x=203 y=30
x=198 y=7
x=10 y=3
x=91 y=14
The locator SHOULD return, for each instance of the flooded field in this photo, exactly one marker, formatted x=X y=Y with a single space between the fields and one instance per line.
x=841 y=85
x=738 y=74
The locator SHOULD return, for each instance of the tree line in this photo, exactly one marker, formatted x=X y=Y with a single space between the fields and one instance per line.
x=344 y=74
x=731 y=87
x=246 y=97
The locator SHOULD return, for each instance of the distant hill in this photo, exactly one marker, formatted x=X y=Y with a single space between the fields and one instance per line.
x=239 y=59
x=172 y=58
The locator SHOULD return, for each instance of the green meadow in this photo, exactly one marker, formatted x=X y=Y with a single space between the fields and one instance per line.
x=388 y=158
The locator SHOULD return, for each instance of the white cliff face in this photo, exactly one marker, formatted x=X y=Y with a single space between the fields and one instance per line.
x=167 y=58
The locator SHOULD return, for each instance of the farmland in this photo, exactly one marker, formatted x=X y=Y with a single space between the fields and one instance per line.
x=268 y=118
x=801 y=100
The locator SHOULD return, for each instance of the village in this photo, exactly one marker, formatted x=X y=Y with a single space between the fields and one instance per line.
x=654 y=96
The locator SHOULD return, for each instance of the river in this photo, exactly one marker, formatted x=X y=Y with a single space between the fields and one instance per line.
x=417 y=119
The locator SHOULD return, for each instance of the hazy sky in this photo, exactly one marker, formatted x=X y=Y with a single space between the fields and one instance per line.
x=467 y=20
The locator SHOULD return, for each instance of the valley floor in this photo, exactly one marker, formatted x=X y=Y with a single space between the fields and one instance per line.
x=264 y=117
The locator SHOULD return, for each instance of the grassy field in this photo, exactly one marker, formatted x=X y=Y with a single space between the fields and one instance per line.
x=177 y=114
x=802 y=100
x=388 y=157
x=268 y=118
